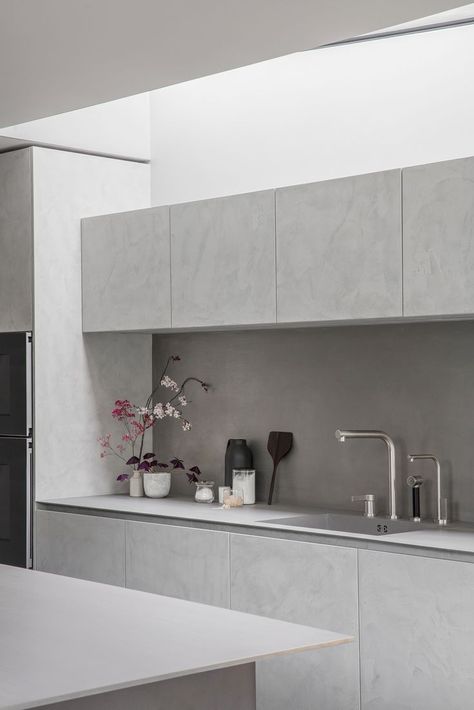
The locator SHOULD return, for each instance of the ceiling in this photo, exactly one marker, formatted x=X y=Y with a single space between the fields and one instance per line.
x=58 y=55
x=456 y=16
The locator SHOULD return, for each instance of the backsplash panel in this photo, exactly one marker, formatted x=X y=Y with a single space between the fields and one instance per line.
x=414 y=381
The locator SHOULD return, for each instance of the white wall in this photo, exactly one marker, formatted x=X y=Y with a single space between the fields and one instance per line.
x=120 y=128
x=315 y=115
x=77 y=378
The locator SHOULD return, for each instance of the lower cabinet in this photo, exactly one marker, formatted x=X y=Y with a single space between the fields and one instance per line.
x=304 y=583
x=183 y=562
x=414 y=613
x=416 y=632
x=82 y=546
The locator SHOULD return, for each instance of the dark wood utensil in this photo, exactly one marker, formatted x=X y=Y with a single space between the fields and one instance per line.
x=279 y=444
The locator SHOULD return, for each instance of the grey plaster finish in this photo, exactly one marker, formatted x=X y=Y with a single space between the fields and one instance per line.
x=223 y=261
x=414 y=381
x=77 y=377
x=438 y=231
x=306 y=584
x=64 y=638
x=80 y=546
x=16 y=241
x=126 y=271
x=456 y=538
x=416 y=633
x=179 y=562
x=339 y=249
x=201 y=691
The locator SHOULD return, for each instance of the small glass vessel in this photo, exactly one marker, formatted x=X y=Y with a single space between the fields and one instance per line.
x=204 y=492
x=243 y=480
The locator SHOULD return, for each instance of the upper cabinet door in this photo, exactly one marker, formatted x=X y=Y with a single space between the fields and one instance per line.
x=223 y=261
x=438 y=235
x=339 y=249
x=16 y=242
x=126 y=271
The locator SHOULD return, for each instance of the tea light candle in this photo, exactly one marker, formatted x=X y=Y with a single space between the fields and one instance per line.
x=224 y=491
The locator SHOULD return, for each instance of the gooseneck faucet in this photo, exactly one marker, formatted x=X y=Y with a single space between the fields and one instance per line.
x=342 y=435
x=441 y=519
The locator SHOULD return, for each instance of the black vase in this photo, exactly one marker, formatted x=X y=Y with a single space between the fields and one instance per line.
x=237 y=455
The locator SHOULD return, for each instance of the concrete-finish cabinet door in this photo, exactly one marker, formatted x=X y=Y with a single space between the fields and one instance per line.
x=16 y=241
x=186 y=563
x=223 y=261
x=438 y=234
x=82 y=546
x=303 y=583
x=416 y=632
x=339 y=249
x=126 y=271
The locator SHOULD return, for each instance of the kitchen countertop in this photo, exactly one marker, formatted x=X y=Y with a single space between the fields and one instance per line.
x=66 y=638
x=455 y=538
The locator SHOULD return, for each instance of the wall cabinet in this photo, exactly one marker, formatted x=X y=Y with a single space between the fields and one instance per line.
x=126 y=271
x=182 y=562
x=438 y=233
x=82 y=546
x=304 y=583
x=339 y=249
x=16 y=242
x=315 y=253
x=223 y=261
x=416 y=632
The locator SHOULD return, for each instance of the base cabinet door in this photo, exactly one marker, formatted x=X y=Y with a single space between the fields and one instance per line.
x=416 y=632
x=182 y=562
x=82 y=546
x=303 y=583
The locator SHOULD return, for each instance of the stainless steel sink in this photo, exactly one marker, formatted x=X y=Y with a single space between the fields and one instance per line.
x=345 y=522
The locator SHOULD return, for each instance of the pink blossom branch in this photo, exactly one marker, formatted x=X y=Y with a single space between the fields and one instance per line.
x=204 y=385
x=112 y=451
x=154 y=391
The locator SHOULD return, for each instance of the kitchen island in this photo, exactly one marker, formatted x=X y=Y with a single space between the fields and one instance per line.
x=81 y=645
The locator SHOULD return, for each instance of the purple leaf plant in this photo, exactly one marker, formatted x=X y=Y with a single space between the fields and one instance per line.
x=136 y=421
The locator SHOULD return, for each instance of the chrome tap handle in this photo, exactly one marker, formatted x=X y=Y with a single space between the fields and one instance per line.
x=442 y=516
x=343 y=434
x=369 y=504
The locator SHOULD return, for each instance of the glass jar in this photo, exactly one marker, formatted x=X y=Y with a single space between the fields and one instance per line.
x=243 y=480
x=204 y=492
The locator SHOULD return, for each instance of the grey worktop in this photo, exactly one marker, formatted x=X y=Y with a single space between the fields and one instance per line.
x=66 y=638
x=455 y=541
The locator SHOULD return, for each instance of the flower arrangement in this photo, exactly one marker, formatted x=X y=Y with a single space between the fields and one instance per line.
x=137 y=420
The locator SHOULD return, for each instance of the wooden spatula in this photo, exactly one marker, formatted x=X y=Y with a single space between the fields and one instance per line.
x=279 y=444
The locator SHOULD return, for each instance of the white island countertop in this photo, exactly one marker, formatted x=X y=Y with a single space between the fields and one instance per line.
x=456 y=537
x=64 y=638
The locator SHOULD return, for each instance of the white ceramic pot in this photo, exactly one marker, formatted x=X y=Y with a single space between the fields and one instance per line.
x=157 y=485
x=136 y=484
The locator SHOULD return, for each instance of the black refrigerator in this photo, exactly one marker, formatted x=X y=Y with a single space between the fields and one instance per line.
x=16 y=449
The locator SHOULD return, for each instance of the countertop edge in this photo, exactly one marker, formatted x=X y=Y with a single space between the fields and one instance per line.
x=97 y=505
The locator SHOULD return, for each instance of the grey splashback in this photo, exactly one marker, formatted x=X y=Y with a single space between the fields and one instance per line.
x=415 y=381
